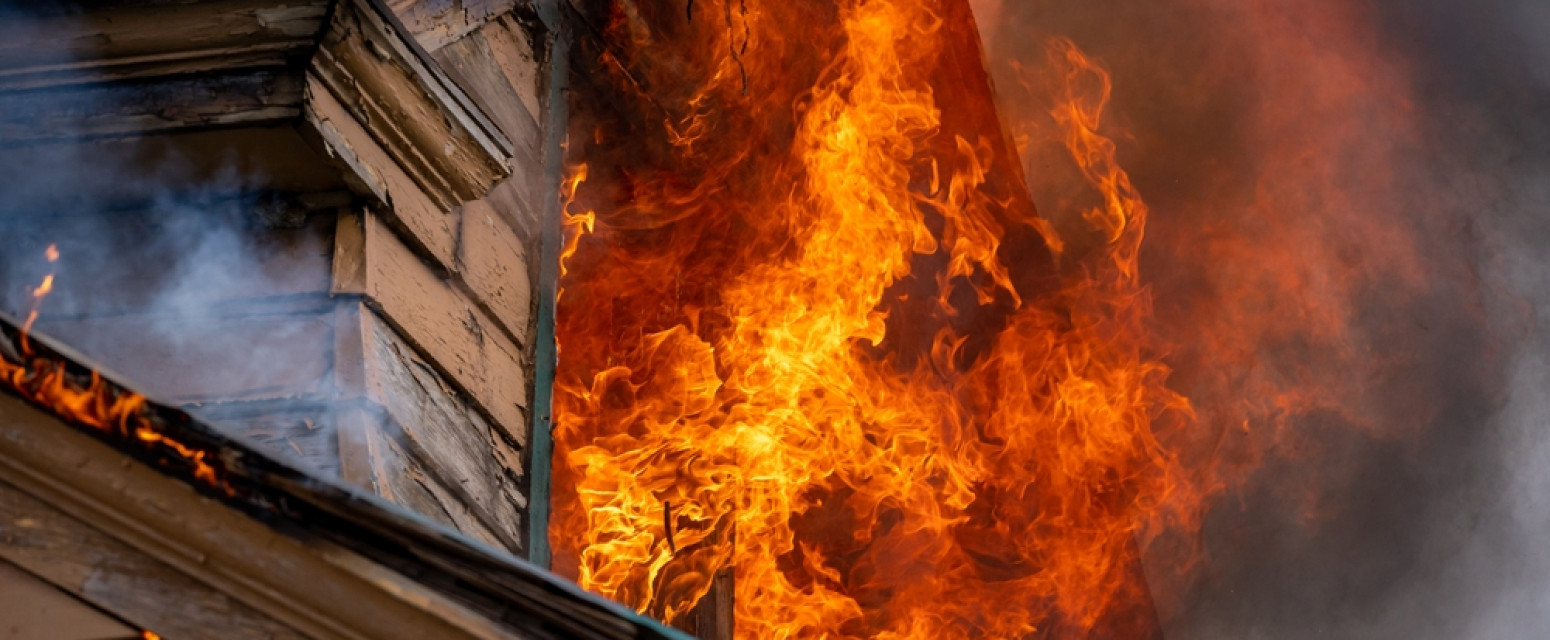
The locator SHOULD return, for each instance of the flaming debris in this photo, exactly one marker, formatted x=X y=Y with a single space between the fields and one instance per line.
x=736 y=342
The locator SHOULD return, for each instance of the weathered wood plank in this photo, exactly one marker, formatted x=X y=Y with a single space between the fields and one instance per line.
x=299 y=430
x=520 y=53
x=129 y=40
x=439 y=319
x=409 y=436
x=31 y=608
x=316 y=586
x=496 y=67
x=249 y=98
x=500 y=68
x=461 y=452
x=437 y=23
x=712 y=618
x=120 y=579
x=492 y=261
x=423 y=121
x=429 y=228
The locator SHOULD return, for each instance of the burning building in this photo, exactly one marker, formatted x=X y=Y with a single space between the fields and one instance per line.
x=759 y=319
x=307 y=224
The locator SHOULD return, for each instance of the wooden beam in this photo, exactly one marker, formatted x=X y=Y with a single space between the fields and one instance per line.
x=712 y=618
x=425 y=123
x=436 y=24
x=32 y=608
x=247 y=98
x=440 y=320
x=317 y=588
x=93 y=566
x=545 y=351
x=428 y=228
x=438 y=443
x=71 y=45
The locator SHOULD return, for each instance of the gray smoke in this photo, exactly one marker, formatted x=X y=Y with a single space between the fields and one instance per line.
x=1376 y=175
x=179 y=272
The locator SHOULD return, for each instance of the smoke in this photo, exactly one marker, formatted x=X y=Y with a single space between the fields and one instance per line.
x=1347 y=253
x=178 y=271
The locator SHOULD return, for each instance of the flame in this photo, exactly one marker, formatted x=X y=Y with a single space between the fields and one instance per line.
x=575 y=225
x=92 y=402
x=738 y=387
x=149 y=635
x=52 y=255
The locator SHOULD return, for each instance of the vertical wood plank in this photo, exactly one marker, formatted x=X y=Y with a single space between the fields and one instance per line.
x=556 y=121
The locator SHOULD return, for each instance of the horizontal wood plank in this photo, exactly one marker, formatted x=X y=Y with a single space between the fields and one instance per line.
x=31 y=609
x=492 y=262
x=118 y=578
x=431 y=229
x=438 y=319
x=463 y=468
x=437 y=23
x=130 y=40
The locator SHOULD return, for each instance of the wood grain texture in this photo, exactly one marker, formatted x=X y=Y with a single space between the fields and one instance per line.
x=407 y=434
x=422 y=120
x=248 y=98
x=60 y=45
x=428 y=227
x=497 y=66
x=437 y=23
x=318 y=588
x=111 y=575
x=460 y=452
x=437 y=317
x=330 y=561
x=31 y=609
x=492 y=262
x=299 y=430
x=712 y=618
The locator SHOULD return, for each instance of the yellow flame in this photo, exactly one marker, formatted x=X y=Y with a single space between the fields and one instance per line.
x=989 y=494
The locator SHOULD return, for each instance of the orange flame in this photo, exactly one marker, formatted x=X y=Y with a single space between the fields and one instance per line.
x=98 y=404
x=42 y=291
x=575 y=225
x=766 y=412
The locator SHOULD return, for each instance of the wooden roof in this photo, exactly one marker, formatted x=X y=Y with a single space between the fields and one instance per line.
x=246 y=544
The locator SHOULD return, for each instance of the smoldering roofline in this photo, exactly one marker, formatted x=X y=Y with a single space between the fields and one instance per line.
x=305 y=506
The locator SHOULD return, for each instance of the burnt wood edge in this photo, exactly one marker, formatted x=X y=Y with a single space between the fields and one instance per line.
x=303 y=506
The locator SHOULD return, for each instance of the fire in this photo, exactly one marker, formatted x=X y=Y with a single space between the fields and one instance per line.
x=809 y=354
x=41 y=292
x=88 y=399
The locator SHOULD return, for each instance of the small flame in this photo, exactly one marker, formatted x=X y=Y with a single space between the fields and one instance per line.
x=149 y=635
x=38 y=294
x=94 y=403
x=576 y=225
